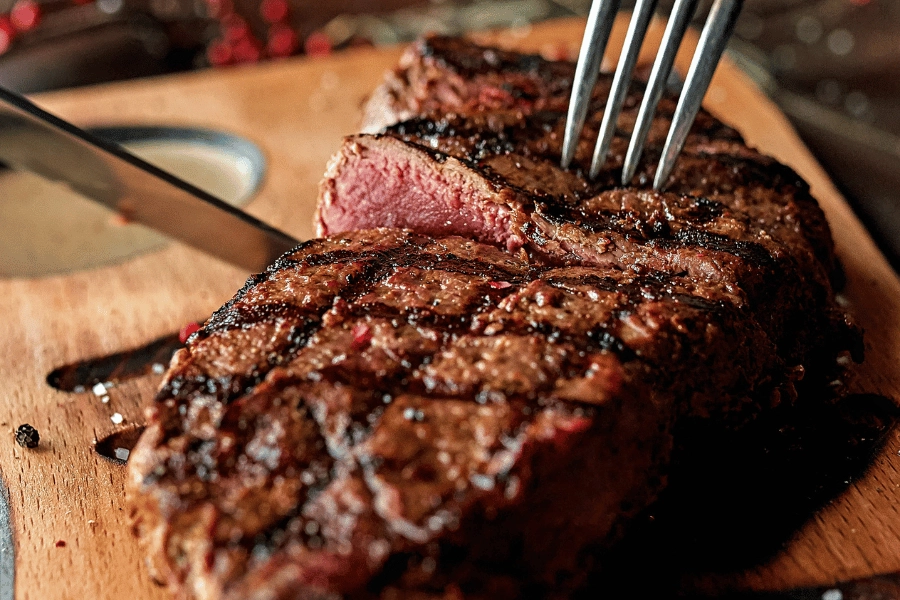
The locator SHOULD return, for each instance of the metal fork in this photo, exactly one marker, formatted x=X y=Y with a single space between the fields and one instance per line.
x=716 y=32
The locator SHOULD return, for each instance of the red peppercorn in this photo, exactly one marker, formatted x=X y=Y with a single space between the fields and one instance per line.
x=574 y=424
x=60 y=544
x=274 y=11
x=187 y=331
x=362 y=335
x=25 y=15
x=282 y=41
x=317 y=44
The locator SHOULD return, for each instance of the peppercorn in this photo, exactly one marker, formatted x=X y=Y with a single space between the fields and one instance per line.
x=187 y=331
x=27 y=436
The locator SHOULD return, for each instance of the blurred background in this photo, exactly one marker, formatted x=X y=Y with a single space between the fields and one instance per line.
x=832 y=65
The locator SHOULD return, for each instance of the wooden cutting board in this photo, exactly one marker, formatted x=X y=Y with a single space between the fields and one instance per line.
x=71 y=536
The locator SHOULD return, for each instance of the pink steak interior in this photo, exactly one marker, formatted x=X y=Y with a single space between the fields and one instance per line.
x=381 y=182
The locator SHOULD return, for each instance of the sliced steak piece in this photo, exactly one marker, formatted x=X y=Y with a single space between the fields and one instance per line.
x=441 y=74
x=384 y=414
x=729 y=217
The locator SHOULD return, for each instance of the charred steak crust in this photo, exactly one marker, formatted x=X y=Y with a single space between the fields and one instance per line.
x=442 y=75
x=385 y=413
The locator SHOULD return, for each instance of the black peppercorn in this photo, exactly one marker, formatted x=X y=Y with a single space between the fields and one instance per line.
x=27 y=436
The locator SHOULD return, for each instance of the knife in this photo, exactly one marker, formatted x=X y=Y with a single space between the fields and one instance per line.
x=32 y=139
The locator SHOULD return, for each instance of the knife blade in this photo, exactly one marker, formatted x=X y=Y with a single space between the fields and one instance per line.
x=34 y=140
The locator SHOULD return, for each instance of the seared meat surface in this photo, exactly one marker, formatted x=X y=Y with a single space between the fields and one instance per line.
x=451 y=75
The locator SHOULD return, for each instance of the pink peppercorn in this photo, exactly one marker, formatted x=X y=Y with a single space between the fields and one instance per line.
x=187 y=331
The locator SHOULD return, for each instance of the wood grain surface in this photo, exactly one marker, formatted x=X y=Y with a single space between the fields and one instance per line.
x=72 y=539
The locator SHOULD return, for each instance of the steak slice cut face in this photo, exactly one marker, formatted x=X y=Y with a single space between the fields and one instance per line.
x=384 y=413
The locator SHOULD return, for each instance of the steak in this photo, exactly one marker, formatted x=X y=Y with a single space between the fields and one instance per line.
x=385 y=414
x=489 y=170
x=484 y=370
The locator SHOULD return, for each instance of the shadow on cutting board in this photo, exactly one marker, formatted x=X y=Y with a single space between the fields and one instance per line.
x=727 y=511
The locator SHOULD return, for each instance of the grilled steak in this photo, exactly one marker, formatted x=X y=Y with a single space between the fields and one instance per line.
x=487 y=170
x=395 y=414
x=384 y=412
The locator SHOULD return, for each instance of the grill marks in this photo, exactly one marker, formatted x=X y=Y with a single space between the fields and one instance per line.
x=471 y=62
x=369 y=300
x=362 y=301
x=731 y=217
x=377 y=270
x=243 y=315
x=472 y=138
x=455 y=76
x=640 y=227
x=476 y=139
x=719 y=202
x=648 y=287
x=515 y=147
x=511 y=357
x=753 y=253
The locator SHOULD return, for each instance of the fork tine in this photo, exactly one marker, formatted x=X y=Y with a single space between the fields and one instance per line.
x=662 y=66
x=596 y=35
x=716 y=33
x=637 y=30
